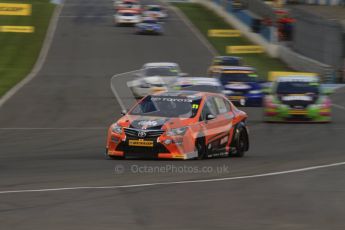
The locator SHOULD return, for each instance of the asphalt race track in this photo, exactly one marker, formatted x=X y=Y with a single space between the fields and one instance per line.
x=52 y=135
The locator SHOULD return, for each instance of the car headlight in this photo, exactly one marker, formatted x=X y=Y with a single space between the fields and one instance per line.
x=227 y=91
x=177 y=131
x=255 y=91
x=116 y=129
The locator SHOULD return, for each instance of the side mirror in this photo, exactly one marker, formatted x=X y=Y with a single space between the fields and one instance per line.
x=210 y=117
x=123 y=112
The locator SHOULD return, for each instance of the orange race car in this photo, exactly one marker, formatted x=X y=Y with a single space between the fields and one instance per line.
x=180 y=125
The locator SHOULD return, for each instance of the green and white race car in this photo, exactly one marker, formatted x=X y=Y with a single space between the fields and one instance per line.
x=297 y=99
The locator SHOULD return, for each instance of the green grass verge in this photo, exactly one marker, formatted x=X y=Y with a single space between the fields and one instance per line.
x=19 y=51
x=205 y=19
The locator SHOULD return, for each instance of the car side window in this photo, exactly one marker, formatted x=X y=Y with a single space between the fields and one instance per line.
x=209 y=108
x=221 y=105
x=227 y=105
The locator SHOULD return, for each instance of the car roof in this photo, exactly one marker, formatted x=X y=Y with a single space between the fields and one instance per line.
x=298 y=78
x=160 y=64
x=199 y=81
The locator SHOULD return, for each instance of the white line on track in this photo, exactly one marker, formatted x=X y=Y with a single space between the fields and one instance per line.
x=118 y=98
x=175 y=182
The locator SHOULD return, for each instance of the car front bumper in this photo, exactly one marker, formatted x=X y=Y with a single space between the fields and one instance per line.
x=162 y=147
x=297 y=115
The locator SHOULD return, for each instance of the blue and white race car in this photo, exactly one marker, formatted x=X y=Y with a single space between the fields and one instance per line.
x=241 y=84
x=149 y=25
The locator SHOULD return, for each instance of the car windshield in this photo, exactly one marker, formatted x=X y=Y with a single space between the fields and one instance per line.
x=127 y=14
x=297 y=87
x=167 y=106
x=238 y=77
x=161 y=71
x=150 y=21
x=156 y=9
x=228 y=62
x=129 y=3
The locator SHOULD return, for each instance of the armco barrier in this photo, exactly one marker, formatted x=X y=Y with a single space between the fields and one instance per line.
x=256 y=38
x=302 y=63
x=266 y=32
x=293 y=59
x=252 y=20
x=323 y=2
x=259 y=7
x=315 y=35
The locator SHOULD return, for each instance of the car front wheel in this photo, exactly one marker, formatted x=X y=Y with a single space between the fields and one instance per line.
x=201 y=148
x=240 y=142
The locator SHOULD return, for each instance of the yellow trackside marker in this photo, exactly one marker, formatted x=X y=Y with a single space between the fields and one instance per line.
x=224 y=33
x=15 y=9
x=244 y=49
x=17 y=29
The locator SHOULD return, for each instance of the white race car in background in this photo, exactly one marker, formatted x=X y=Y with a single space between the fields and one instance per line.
x=126 y=17
x=154 y=77
x=155 y=11
x=202 y=84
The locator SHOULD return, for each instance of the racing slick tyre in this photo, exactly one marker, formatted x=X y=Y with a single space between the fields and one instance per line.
x=240 y=142
x=200 y=148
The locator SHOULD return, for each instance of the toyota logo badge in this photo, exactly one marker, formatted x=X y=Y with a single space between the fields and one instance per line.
x=141 y=134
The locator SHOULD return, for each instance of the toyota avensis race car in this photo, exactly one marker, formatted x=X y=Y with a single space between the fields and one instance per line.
x=241 y=85
x=297 y=98
x=154 y=77
x=126 y=17
x=220 y=61
x=180 y=125
x=149 y=25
